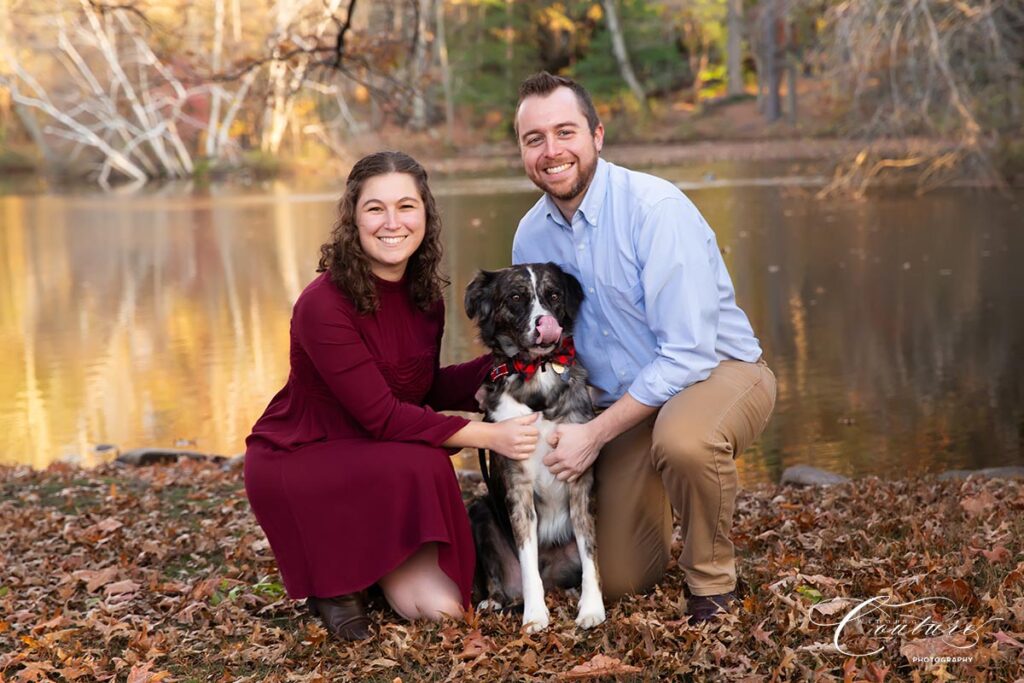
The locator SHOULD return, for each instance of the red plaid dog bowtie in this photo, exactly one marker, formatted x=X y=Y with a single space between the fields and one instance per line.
x=564 y=355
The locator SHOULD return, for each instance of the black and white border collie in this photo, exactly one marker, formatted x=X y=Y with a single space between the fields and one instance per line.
x=524 y=529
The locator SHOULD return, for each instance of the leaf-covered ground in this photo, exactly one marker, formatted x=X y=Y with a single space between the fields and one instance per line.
x=161 y=573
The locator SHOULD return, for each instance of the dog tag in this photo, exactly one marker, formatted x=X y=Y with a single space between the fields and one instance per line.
x=558 y=368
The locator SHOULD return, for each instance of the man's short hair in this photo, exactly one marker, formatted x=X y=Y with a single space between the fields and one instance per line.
x=544 y=83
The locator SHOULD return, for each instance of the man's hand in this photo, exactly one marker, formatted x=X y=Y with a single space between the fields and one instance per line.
x=577 y=445
x=576 y=449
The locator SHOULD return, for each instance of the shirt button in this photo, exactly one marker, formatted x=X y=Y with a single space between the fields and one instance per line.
x=590 y=289
x=605 y=333
x=581 y=247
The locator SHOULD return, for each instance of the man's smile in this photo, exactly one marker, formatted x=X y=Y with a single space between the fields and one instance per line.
x=555 y=170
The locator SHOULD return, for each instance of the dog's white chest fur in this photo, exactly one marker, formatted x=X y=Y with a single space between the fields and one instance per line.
x=551 y=496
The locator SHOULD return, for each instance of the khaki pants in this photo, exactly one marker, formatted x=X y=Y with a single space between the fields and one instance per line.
x=681 y=458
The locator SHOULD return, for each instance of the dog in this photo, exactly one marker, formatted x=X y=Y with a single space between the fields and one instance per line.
x=524 y=529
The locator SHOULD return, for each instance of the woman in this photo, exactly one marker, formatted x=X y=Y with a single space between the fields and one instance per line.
x=348 y=470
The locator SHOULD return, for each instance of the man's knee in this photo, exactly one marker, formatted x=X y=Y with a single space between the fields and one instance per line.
x=685 y=451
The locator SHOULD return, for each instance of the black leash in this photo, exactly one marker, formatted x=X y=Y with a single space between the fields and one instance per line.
x=498 y=510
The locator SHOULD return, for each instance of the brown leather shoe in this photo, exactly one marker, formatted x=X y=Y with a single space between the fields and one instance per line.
x=703 y=608
x=344 y=616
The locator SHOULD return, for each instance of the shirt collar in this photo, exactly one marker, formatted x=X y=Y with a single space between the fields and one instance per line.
x=592 y=202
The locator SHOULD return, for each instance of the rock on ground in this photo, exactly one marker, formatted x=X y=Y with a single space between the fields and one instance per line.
x=150 y=456
x=1015 y=472
x=805 y=475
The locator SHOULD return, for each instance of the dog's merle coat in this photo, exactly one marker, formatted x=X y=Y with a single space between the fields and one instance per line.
x=514 y=308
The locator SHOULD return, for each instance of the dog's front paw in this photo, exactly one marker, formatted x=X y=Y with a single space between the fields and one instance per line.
x=535 y=619
x=591 y=610
x=488 y=605
x=590 y=618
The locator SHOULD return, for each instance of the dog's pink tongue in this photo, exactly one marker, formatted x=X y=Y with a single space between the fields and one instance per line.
x=548 y=330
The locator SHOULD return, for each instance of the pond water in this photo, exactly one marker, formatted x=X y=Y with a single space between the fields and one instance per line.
x=894 y=325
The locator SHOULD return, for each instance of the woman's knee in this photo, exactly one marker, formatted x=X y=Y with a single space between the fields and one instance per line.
x=413 y=601
x=437 y=606
x=419 y=589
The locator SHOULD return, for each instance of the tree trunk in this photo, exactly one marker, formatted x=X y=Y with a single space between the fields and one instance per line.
x=734 y=46
x=31 y=126
x=236 y=21
x=699 y=63
x=236 y=103
x=621 y=56
x=792 y=68
x=446 y=74
x=24 y=114
x=509 y=44
x=418 y=118
x=790 y=57
x=215 y=93
x=769 y=77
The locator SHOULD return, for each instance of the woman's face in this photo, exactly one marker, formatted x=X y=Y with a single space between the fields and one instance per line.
x=392 y=221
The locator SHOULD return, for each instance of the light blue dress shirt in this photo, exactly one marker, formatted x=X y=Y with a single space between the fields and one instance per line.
x=660 y=310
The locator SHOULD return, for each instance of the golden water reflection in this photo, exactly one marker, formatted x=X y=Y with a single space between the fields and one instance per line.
x=893 y=325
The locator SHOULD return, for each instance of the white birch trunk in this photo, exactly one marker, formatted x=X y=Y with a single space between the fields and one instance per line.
x=212 y=133
x=446 y=74
x=621 y=55
x=418 y=120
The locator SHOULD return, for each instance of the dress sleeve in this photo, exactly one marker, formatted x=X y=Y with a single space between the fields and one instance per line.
x=455 y=386
x=325 y=328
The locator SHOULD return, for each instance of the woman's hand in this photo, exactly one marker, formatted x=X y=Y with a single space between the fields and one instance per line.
x=516 y=437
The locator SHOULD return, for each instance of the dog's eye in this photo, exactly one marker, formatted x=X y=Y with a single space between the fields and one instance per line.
x=553 y=296
x=517 y=298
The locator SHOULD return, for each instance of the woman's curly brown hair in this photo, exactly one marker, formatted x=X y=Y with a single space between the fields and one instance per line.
x=343 y=256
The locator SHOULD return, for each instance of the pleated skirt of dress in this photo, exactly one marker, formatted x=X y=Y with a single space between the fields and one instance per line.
x=340 y=515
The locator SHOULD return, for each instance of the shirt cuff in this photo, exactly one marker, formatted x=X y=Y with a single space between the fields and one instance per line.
x=652 y=389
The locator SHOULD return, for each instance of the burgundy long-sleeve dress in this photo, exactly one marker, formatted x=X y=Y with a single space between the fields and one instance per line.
x=345 y=470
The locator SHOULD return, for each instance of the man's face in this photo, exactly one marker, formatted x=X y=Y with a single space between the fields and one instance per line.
x=559 y=152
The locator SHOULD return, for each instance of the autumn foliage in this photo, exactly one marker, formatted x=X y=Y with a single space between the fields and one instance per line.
x=162 y=574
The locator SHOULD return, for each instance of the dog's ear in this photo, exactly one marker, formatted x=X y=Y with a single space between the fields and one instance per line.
x=573 y=293
x=478 y=295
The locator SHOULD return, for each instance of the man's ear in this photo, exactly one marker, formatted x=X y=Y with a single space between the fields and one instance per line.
x=599 y=137
x=478 y=295
x=573 y=293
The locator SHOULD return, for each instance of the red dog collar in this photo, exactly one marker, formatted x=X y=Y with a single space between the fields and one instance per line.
x=565 y=355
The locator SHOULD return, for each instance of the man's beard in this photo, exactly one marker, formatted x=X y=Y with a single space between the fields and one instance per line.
x=580 y=186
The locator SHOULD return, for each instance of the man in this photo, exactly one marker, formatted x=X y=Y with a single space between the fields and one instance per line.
x=673 y=360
